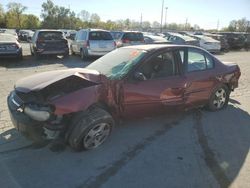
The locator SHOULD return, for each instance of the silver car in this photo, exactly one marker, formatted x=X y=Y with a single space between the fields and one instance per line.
x=10 y=47
x=92 y=42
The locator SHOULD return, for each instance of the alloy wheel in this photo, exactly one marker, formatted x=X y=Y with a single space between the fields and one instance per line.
x=97 y=135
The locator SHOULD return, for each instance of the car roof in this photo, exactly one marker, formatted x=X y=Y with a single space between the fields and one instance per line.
x=7 y=37
x=184 y=37
x=94 y=30
x=150 y=47
x=53 y=30
x=132 y=32
x=157 y=38
x=206 y=38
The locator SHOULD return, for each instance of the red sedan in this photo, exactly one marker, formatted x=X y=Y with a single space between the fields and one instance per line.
x=81 y=105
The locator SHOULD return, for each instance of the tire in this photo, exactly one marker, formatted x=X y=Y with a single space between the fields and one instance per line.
x=37 y=56
x=32 y=53
x=83 y=54
x=72 y=52
x=20 y=57
x=66 y=55
x=90 y=129
x=219 y=98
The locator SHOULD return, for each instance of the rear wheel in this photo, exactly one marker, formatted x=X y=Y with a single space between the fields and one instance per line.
x=66 y=55
x=19 y=57
x=90 y=129
x=219 y=98
x=83 y=54
x=37 y=56
x=72 y=51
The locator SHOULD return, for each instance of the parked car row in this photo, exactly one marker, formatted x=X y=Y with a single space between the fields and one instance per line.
x=98 y=42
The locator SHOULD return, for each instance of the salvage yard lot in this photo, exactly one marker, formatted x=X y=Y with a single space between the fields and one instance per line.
x=192 y=149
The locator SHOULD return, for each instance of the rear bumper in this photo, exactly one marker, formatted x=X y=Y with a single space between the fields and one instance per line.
x=52 y=52
x=16 y=53
x=214 y=50
x=97 y=53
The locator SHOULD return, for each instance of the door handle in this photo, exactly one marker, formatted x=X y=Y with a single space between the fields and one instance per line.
x=187 y=84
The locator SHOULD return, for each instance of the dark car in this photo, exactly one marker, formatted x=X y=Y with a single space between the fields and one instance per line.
x=25 y=35
x=83 y=104
x=247 y=41
x=49 y=42
x=116 y=34
x=235 y=40
x=128 y=38
x=10 y=47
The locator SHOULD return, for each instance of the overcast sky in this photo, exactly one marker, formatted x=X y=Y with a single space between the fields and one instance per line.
x=205 y=13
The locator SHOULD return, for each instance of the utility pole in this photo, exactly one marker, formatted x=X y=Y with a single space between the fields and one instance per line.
x=218 y=25
x=141 y=22
x=166 y=8
x=69 y=18
x=186 y=23
x=162 y=13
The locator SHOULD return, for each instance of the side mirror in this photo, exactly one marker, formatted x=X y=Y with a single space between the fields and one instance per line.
x=139 y=76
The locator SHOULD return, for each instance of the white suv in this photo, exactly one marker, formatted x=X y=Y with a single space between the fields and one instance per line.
x=92 y=42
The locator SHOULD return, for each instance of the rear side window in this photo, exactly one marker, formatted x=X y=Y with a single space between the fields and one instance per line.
x=100 y=35
x=197 y=61
x=51 y=35
x=133 y=36
x=83 y=35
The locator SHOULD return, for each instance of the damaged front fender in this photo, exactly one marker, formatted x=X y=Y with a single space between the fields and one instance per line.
x=78 y=100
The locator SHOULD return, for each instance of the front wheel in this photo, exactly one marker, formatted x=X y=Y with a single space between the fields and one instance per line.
x=90 y=129
x=219 y=98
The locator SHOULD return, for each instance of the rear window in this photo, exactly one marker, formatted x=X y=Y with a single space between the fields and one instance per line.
x=50 y=35
x=133 y=36
x=116 y=35
x=100 y=35
x=9 y=38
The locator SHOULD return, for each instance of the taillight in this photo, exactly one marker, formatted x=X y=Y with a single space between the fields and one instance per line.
x=86 y=44
x=142 y=40
x=125 y=41
x=17 y=45
x=40 y=40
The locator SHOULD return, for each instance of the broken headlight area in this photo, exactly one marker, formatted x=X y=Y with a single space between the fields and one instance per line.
x=37 y=112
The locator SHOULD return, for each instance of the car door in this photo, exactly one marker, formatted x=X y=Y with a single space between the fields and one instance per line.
x=161 y=89
x=200 y=76
x=74 y=43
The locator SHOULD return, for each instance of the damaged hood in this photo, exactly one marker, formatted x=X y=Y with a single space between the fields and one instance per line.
x=40 y=81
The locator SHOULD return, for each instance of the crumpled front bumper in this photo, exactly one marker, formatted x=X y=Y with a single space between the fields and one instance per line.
x=28 y=127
